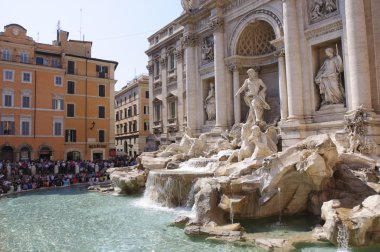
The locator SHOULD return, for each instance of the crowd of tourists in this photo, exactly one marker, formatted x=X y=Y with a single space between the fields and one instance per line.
x=28 y=175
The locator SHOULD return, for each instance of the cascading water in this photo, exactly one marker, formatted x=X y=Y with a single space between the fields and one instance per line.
x=279 y=207
x=231 y=206
x=175 y=188
x=342 y=238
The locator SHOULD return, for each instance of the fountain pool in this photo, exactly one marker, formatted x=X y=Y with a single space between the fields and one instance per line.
x=73 y=219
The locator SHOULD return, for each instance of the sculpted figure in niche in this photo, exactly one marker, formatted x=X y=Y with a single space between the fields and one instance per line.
x=328 y=79
x=210 y=103
x=254 y=96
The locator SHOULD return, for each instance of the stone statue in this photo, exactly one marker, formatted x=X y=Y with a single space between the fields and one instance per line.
x=247 y=146
x=210 y=103
x=254 y=96
x=199 y=147
x=262 y=143
x=328 y=79
x=183 y=147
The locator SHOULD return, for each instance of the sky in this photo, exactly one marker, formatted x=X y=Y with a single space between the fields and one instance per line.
x=118 y=28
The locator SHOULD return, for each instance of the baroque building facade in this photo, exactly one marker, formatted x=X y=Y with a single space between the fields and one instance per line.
x=56 y=100
x=132 y=117
x=319 y=60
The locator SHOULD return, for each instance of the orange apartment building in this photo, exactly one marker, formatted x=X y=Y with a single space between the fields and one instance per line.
x=56 y=101
x=132 y=117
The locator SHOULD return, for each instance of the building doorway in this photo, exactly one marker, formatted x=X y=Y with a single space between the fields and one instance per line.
x=97 y=156
x=73 y=155
x=25 y=153
x=45 y=153
x=7 y=153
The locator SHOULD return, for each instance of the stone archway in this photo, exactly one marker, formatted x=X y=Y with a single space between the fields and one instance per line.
x=255 y=50
x=24 y=152
x=7 y=153
x=255 y=40
x=45 y=152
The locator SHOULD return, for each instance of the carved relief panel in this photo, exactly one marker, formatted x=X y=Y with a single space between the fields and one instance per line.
x=322 y=9
x=207 y=50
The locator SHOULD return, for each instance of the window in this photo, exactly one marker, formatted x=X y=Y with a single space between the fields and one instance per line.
x=24 y=57
x=70 y=136
x=172 y=110
x=8 y=100
x=102 y=71
x=117 y=115
x=55 y=63
x=146 y=110
x=130 y=126
x=130 y=112
x=102 y=90
x=70 y=110
x=7 y=127
x=70 y=67
x=41 y=61
x=57 y=127
x=134 y=126
x=25 y=102
x=146 y=126
x=58 y=80
x=26 y=77
x=25 y=127
x=134 y=110
x=71 y=87
x=147 y=94
x=6 y=54
x=125 y=128
x=101 y=112
x=8 y=75
x=156 y=68
x=101 y=136
x=171 y=61
x=157 y=112
x=125 y=113
x=57 y=103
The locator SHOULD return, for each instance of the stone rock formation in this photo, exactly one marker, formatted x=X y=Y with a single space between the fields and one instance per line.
x=127 y=180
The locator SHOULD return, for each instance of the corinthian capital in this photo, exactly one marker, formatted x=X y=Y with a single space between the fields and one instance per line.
x=216 y=24
x=189 y=40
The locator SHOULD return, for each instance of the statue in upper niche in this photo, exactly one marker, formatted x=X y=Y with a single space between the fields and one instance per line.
x=328 y=79
x=254 y=96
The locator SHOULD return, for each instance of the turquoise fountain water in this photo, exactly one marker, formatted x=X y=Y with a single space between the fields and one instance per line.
x=73 y=219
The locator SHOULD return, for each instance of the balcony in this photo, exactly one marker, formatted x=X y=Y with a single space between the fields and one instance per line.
x=73 y=71
x=172 y=125
x=103 y=75
x=157 y=127
x=32 y=61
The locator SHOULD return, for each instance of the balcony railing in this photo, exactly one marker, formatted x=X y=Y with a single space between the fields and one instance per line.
x=31 y=61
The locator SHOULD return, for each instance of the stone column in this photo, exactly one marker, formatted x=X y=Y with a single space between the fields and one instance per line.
x=221 y=123
x=293 y=59
x=151 y=94
x=189 y=42
x=180 y=88
x=282 y=85
x=164 y=92
x=236 y=85
x=358 y=54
